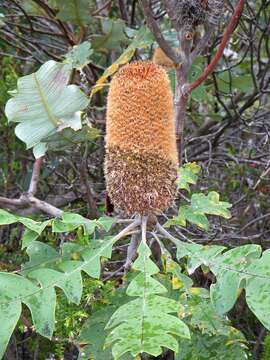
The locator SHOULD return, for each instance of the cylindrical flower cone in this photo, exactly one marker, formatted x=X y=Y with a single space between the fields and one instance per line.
x=141 y=155
x=160 y=58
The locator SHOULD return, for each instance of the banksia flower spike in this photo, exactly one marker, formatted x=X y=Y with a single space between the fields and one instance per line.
x=160 y=58
x=141 y=156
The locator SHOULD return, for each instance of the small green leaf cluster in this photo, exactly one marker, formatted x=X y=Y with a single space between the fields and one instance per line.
x=200 y=204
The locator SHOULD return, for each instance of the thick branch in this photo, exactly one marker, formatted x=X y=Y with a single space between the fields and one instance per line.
x=237 y=12
x=27 y=200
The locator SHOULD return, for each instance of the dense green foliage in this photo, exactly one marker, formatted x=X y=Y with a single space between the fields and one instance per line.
x=197 y=284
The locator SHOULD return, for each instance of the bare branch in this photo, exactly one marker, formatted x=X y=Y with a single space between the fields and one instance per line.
x=153 y=26
x=35 y=176
x=131 y=251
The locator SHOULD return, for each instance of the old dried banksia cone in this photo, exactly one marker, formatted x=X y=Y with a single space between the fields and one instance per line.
x=141 y=156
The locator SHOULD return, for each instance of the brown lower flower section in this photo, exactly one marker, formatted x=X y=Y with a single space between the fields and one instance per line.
x=139 y=183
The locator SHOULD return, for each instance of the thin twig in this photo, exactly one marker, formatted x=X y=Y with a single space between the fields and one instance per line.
x=131 y=251
x=35 y=176
x=153 y=26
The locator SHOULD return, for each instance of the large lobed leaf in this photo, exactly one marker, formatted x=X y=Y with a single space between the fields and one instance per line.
x=68 y=222
x=45 y=104
x=258 y=288
x=201 y=205
x=145 y=324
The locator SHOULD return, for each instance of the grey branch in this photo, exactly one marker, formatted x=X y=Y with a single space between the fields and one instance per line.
x=131 y=251
x=28 y=200
x=35 y=176
x=153 y=26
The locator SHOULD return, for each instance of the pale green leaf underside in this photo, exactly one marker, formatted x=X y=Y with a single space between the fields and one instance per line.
x=230 y=269
x=45 y=103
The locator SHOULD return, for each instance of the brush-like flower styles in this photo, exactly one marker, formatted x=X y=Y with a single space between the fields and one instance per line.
x=141 y=155
x=160 y=58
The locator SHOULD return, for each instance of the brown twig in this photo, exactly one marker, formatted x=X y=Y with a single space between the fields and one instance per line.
x=92 y=207
x=131 y=252
x=153 y=26
x=28 y=199
x=237 y=13
x=35 y=176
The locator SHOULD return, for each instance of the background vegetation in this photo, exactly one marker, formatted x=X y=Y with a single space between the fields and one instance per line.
x=226 y=132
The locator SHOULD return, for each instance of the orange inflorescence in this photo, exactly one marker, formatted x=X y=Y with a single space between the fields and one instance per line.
x=141 y=155
x=160 y=58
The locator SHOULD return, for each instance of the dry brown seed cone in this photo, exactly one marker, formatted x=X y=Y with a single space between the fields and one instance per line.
x=141 y=155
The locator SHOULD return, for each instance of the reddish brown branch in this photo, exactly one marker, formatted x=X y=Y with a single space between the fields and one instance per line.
x=237 y=12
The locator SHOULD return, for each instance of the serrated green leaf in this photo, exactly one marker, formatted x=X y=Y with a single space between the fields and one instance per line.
x=229 y=269
x=29 y=236
x=94 y=334
x=145 y=324
x=13 y=290
x=45 y=103
x=71 y=221
x=40 y=254
x=210 y=204
x=143 y=263
x=203 y=255
x=79 y=55
x=97 y=249
x=9 y=316
x=188 y=213
x=106 y=222
x=48 y=269
x=258 y=288
x=7 y=218
x=146 y=282
x=42 y=306
x=187 y=174
x=74 y=11
x=70 y=280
